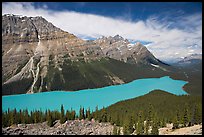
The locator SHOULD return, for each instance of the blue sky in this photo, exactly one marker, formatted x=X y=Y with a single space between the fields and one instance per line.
x=133 y=10
x=168 y=29
x=130 y=11
x=136 y=10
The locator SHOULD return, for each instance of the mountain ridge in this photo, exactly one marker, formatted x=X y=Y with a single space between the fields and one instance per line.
x=40 y=56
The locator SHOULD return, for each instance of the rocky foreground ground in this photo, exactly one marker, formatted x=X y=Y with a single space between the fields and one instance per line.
x=193 y=130
x=85 y=127
x=74 y=127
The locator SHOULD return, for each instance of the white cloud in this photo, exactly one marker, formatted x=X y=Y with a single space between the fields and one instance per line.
x=166 y=41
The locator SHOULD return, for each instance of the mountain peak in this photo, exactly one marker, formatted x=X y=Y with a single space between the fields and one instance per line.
x=118 y=37
x=18 y=28
x=51 y=50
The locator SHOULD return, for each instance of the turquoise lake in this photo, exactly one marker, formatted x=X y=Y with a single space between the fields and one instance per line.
x=90 y=98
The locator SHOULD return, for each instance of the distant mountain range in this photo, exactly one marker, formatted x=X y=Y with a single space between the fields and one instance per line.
x=37 y=57
x=191 y=59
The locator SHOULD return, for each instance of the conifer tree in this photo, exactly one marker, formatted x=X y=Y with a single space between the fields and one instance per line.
x=62 y=116
x=35 y=116
x=175 y=123
x=155 y=130
x=130 y=125
x=125 y=129
x=16 y=118
x=104 y=115
x=68 y=115
x=4 y=119
x=155 y=125
x=146 y=127
x=88 y=114
x=26 y=116
x=186 y=116
x=11 y=118
x=73 y=115
x=150 y=113
x=50 y=119
x=197 y=115
x=117 y=120
x=114 y=130
x=81 y=113
x=176 y=120
x=96 y=113
x=140 y=124
x=22 y=116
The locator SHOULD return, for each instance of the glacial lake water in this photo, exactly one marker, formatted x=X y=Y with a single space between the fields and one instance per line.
x=90 y=98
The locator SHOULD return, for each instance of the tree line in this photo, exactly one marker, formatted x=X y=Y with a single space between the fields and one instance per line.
x=11 y=117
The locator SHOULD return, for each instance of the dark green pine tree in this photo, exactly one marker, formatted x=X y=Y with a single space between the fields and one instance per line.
x=163 y=122
x=62 y=115
x=81 y=113
x=41 y=116
x=155 y=130
x=46 y=114
x=146 y=127
x=50 y=120
x=176 y=120
x=35 y=116
x=73 y=115
x=68 y=115
x=155 y=125
x=125 y=129
x=104 y=115
x=22 y=116
x=4 y=119
x=130 y=125
x=26 y=116
x=109 y=119
x=197 y=115
x=186 y=118
x=117 y=122
x=150 y=112
x=148 y=119
x=175 y=123
x=88 y=114
x=31 y=117
x=140 y=124
x=11 y=117
x=96 y=115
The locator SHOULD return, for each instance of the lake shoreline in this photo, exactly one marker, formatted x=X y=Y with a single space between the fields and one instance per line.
x=90 y=98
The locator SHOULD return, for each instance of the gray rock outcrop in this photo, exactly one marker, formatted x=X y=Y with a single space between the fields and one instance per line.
x=71 y=127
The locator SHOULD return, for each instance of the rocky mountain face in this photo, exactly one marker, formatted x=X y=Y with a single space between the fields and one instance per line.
x=28 y=29
x=121 y=49
x=37 y=56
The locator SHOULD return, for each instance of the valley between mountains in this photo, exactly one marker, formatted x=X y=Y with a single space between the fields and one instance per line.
x=39 y=57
